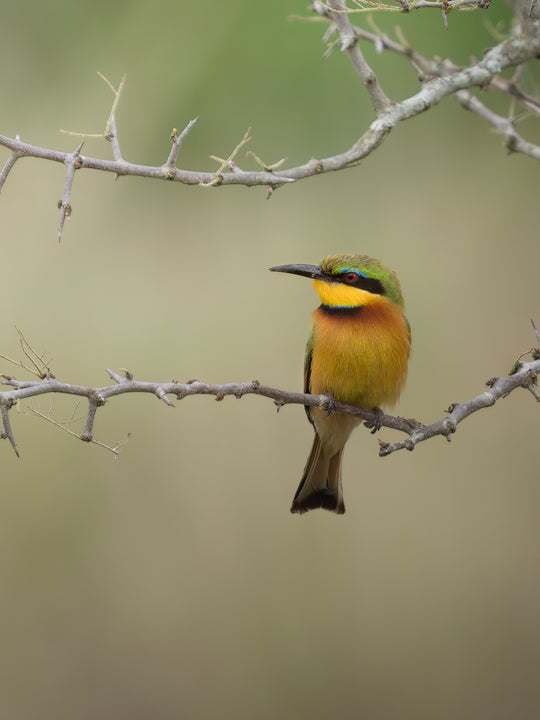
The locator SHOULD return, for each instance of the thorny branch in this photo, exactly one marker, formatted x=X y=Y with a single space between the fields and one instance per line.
x=523 y=374
x=438 y=79
x=406 y=6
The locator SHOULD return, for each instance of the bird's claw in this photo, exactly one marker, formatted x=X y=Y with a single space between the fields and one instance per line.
x=328 y=404
x=376 y=424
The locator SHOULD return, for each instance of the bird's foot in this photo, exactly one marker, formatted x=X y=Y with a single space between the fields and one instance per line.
x=328 y=404
x=376 y=423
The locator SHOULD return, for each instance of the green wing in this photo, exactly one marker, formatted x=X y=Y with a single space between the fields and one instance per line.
x=407 y=323
x=307 y=371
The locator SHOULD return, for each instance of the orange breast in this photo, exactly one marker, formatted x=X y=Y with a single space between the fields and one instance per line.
x=361 y=357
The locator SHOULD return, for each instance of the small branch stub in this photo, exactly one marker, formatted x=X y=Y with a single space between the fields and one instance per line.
x=73 y=162
x=177 y=141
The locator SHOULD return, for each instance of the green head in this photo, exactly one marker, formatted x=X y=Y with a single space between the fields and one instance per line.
x=374 y=276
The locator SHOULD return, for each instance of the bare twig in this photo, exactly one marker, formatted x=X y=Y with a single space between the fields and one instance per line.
x=7 y=431
x=536 y=332
x=107 y=133
x=510 y=87
x=72 y=163
x=513 y=140
x=40 y=367
x=227 y=164
x=8 y=166
x=114 y=449
x=177 y=140
x=112 y=137
x=349 y=43
x=117 y=93
x=22 y=365
x=266 y=166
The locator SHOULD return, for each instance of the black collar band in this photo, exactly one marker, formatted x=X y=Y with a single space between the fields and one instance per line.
x=343 y=310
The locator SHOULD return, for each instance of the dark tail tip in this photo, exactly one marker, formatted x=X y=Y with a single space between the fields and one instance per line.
x=321 y=499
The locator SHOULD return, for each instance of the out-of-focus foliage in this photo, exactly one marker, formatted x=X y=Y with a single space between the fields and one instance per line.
x=172 y=582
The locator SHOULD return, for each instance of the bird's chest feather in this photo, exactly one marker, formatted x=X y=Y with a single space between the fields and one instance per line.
x=361 y=356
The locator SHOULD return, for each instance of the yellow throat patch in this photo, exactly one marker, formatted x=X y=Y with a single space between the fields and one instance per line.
x=339 y=295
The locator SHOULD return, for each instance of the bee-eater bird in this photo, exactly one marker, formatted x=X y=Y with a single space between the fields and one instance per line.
x=357 y=352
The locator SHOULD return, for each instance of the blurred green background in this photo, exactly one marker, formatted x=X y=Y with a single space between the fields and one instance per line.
x=173 y=582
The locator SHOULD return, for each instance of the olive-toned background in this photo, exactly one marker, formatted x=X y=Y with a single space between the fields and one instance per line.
x=173 y=582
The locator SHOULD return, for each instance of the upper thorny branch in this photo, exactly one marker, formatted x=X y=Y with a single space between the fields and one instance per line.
x=437 y=79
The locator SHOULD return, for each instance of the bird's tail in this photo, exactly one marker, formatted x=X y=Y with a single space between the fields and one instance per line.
x=320 y=486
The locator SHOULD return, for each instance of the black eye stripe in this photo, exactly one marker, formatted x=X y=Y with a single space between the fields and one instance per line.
x=363 y=283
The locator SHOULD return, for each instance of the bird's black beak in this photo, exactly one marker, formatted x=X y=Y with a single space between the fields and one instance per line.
x=310 y=271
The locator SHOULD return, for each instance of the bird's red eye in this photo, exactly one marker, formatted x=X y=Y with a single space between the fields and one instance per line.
x=351 y=277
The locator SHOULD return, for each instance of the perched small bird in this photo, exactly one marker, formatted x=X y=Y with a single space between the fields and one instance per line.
x=357 y=352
